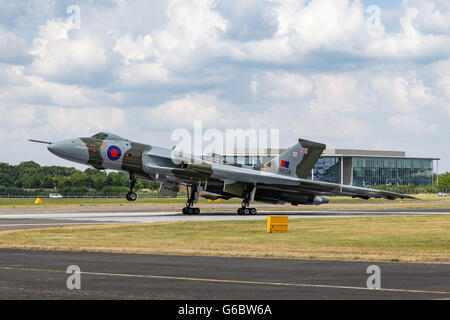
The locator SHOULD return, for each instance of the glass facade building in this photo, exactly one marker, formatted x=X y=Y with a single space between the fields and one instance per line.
x=374 y=171
x=362 y=168
x=369 y=172
x=327 y=169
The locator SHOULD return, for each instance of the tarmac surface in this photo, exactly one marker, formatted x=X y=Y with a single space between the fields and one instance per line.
x=115 y=216
x=26 y=274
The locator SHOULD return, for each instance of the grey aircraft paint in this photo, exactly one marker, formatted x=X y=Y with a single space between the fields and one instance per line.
x=283 y=179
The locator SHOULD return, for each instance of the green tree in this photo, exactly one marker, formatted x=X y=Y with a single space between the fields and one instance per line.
x=5 y=180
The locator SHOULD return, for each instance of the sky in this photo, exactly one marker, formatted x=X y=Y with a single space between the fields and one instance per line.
x=355 y=74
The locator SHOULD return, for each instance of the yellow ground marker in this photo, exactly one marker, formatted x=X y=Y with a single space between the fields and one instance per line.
x=277 y=224
x=38 y=201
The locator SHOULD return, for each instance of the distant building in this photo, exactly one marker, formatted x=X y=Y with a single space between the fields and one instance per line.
x=363 y=168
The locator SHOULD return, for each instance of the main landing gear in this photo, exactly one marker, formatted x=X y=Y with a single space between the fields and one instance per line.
x=248 y=197
x=131 y=196
x=192 y=199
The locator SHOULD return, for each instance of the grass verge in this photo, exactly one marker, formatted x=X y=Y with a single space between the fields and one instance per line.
x=405 y=239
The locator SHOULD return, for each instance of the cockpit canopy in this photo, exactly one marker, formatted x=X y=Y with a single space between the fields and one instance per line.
x=107 y=136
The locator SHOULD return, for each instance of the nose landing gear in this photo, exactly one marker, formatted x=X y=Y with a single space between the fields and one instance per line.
x=131 y=196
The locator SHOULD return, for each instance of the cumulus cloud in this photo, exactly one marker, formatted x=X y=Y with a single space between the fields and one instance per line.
x=410 y=124
x=183 y=112
x=403 y=94
x=13 y=48
x=139 y=49
x=67 y=58
x=281 y=85
x=313 y=69
x=432 y=16
x=84 y=120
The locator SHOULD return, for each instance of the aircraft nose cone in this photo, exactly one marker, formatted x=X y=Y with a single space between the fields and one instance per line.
x=55 y=148
x=72 y=150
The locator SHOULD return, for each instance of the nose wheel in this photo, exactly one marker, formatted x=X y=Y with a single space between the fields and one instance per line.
x=131 y=195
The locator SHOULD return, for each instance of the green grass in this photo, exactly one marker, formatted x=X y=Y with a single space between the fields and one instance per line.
x=404 y=239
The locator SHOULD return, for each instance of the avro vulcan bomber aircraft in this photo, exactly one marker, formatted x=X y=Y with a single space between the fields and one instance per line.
x=281 y=180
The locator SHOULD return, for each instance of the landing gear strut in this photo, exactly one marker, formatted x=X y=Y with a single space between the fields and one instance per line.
x=131 y=196
x=192 y=199
x=248 y=196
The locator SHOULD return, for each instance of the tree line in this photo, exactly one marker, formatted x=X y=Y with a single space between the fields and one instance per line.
x=29 y=178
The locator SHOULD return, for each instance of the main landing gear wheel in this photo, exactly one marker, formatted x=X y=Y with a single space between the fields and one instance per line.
x=247 y=198
x=247 y=211
x=190 y=211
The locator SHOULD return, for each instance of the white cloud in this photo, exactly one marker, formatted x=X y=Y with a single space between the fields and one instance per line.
x=410 y=43
x=13 y=47
x=193 y=107
x=407 y=123
x=312 y=31
x=142 y=74
x=138 y=49
x=403 y=94
x=311 y=68
x=441 y=72
x=433 y=16
x=281 y=85
x=193 y=30
x=339 y=93
x=321 y=23
x=63 y=58
x=83 y=120
x=11 y=75
x=14 y=117
x=35 y=90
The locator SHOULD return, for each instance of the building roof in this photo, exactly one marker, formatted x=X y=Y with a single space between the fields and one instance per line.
x=368 y=153
x=363 y=153
x=331 y=153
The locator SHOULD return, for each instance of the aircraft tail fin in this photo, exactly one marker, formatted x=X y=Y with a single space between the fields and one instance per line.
x=297 y=161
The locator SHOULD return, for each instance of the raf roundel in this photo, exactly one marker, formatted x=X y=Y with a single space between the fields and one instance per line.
x=114 y=153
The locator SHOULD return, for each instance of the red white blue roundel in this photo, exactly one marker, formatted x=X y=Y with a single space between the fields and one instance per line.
x=114 y=153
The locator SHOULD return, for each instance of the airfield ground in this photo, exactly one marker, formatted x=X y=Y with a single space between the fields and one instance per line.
x=16 y=205
x=393 y=231
x=148 y=249
x=408 y=238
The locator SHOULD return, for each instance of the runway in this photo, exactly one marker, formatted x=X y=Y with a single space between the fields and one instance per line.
x=42 y=275
x=39 y=220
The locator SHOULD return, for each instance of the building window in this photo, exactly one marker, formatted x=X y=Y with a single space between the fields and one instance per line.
x=370 y=172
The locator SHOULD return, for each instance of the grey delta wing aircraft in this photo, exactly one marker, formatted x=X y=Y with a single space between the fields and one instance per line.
x=281 y=180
